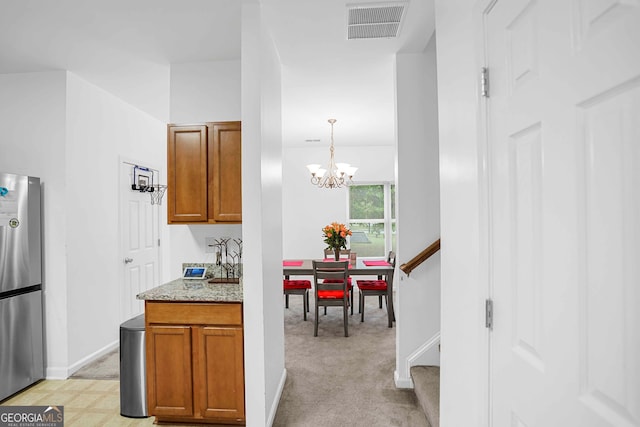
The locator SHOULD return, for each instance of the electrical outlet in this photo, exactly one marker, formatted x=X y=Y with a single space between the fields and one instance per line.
x=209 y=243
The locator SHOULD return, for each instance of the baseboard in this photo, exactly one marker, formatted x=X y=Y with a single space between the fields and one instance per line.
x=403 y=380
x=56 y=373
x=92 y=357
x=276 y=401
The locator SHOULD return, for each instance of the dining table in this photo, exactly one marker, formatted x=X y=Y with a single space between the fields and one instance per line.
x=361 y=267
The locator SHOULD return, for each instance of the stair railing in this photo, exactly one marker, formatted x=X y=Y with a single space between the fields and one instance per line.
x=408 y=267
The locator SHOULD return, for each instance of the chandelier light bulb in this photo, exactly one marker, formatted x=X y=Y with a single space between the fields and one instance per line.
x=351 y=171
x=313 y=169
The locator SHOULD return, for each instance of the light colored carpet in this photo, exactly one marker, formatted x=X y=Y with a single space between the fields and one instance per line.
x=426 y=380
x=106 y=367
x=337 y=380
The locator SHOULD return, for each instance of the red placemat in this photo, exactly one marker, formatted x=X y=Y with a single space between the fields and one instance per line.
x=292 y=263
x=371 y=263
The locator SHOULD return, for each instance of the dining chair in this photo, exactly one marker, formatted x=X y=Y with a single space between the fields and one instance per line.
x=330 y=289
x=345 y=255
x=297 y=287
x=378 y=288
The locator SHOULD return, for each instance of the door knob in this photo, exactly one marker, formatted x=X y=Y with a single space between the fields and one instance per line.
x=128 y=260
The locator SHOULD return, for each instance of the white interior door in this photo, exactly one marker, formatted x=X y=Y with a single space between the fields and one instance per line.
x=139 y=243
x=563 y=128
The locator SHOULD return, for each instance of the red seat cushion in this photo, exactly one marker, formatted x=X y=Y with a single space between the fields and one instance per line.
x=330 y=294
x=296 y=284
x=372 y=285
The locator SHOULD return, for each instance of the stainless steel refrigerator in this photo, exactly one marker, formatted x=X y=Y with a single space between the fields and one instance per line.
x=21 y=338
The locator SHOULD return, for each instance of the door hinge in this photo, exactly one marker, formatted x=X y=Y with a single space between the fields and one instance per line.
x=484 y=82
x=488 y=314
x=158 y=242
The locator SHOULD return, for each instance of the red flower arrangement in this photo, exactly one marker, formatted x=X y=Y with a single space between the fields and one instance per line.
x=335 y=235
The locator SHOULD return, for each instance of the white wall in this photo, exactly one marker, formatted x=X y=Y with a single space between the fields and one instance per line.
x=202 y=92
x=71 y=133
x=188 y=243
x=463 y=346
x=32 y=118
x=100 y=129
x=307 y=209
x=262 y=220
x=418 y=215
x=205 y=91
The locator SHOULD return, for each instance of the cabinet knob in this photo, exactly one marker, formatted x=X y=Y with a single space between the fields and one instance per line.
x=128 y=260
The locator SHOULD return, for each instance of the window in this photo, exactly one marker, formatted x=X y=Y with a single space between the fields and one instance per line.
x=372 y=219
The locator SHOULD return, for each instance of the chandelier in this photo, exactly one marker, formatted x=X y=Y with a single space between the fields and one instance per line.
x=336 y=175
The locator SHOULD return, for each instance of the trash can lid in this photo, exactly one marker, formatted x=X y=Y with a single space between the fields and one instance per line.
x=135 y=323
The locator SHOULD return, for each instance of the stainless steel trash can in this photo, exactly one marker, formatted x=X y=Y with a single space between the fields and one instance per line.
x=133 y=388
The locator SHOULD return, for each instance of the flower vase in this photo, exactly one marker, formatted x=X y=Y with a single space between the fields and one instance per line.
x=336 y=253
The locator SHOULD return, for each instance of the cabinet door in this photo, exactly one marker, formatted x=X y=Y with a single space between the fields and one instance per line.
x=187 y=173
x=225 y=173
x=169 y=373
x=220 y=385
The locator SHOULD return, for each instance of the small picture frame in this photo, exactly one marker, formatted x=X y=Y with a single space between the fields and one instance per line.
x=194 y=273
x=353 y=258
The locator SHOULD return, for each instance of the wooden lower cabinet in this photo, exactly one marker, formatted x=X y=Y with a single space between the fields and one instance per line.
x=195 y=362
x=169 y=370
x=220 y=381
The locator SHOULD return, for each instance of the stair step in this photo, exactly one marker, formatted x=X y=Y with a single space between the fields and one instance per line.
x=426 y=383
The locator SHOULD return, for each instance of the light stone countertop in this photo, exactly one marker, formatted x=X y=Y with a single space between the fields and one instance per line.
x=194 y=290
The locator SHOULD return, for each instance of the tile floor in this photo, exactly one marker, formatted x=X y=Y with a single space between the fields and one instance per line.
x=86 y=402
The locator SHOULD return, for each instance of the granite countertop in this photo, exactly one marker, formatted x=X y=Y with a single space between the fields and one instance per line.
x=194 y=290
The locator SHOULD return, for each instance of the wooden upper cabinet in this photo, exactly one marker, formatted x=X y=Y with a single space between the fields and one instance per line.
x=205 y=175
x=187 y=170
x=225 y=173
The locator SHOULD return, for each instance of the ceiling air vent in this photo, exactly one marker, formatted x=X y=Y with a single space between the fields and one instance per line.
x=374 y=21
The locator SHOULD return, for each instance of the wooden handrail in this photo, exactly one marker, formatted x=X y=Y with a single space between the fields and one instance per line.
x=408 y=267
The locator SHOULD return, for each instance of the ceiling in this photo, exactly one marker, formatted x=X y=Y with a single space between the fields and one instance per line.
x=127 y=46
